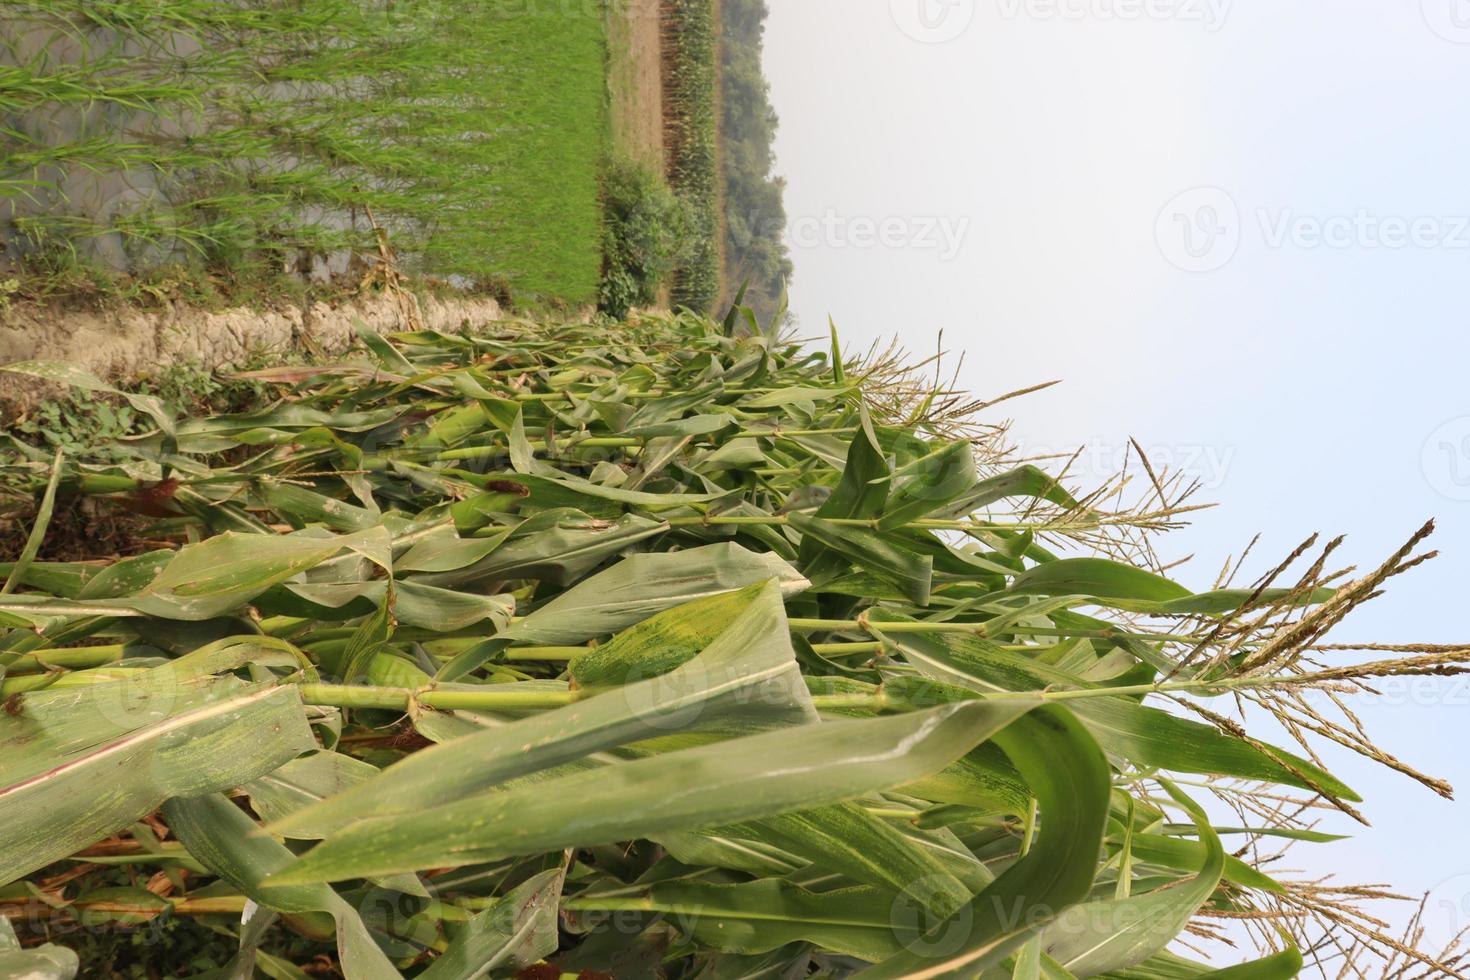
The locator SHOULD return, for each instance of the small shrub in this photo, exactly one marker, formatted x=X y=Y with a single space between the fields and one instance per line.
x=647 y=233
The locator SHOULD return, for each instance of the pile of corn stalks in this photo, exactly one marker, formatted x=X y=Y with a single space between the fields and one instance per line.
x=670 y=648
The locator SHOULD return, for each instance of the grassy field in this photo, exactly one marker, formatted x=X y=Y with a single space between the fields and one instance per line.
x=154 y=140
x=238 y=136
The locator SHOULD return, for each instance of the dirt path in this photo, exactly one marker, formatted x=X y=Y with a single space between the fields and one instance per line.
x=634 y=83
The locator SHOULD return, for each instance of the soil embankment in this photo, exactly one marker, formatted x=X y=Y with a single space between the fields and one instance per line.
x=127 y=343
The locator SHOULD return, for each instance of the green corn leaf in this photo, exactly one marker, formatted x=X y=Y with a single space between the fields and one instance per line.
x=847 y=839
x=1148 y=737
x=448 y=610
x=222 y=573
x=304 y=782
x=1100 y=937
x=17 y=572
x=515 y=933
x=304 y=507
x=1191 y=856
x=1281 y=966
x=839 y=375
x=88 y=761
x=221 y=836
x=724 y=782
x=1024 y=481
x=797 y=393
x=669 y=639
x=1223 y=601
x=763 y=916
x=928 y=484
x=368 y=639
x=1070 y=778
x=863 y=488
x=642 y=585
x=747 y=671
x=877 y=553
x=1096 y=577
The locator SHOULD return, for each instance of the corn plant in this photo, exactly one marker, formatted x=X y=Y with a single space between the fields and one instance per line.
x=691 y=137
x=667 y=648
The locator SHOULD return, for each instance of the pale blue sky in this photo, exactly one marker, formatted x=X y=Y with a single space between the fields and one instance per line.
x=1239 y=231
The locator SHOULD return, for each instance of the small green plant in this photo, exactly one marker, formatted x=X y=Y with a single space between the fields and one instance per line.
x=81 y=422
x=87 y=423
x=647 y=233
x=188 y=388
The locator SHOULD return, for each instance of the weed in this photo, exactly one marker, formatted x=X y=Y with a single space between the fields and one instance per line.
x=79 y=423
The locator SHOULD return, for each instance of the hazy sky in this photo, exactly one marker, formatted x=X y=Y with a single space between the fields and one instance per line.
x=1239 y=231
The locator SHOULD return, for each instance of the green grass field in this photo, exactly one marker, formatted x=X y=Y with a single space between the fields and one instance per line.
x=246 y=135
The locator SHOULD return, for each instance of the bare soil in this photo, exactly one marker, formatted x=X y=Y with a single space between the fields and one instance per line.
x=635 y=84
x=127 y=343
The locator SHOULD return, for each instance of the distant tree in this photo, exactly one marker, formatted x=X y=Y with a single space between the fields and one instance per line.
x=755 y=214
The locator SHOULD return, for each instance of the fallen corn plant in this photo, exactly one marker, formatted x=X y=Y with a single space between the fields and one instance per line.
x=669 y=648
